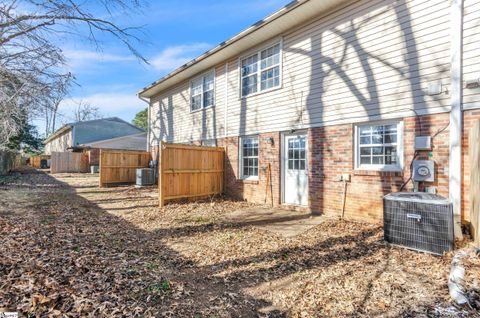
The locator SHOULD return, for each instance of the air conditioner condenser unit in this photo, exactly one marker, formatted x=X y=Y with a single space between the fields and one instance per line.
x=419 y=221
x=145 y=177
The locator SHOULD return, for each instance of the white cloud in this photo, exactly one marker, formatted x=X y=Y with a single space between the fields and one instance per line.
x=120 y=105
x=175 y=56
x=96 y=56
x=80 y=59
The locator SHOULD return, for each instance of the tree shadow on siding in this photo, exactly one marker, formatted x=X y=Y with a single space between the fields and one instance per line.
x=329 y=66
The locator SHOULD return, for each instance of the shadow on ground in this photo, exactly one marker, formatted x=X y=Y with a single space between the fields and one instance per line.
x=63 y=254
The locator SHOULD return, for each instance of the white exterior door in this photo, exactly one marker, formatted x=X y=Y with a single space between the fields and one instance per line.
x=295 y=170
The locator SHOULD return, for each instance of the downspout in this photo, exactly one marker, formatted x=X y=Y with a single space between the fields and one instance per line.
x=148 y=121
x=73 y=136
x=225 y=130
x=226 y=101
x=455 y=145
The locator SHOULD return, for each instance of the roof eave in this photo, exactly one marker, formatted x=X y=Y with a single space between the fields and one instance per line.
x=274 y=25
x=57 y=133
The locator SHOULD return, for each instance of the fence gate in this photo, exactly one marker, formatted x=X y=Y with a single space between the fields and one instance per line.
x=119 y=166
x=68 y=162
x=36 y=161
x=474 y=162
x=187 y=171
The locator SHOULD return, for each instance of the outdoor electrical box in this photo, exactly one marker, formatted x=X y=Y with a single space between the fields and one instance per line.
x=423 y=143
x=423 y=170
x=435 y=88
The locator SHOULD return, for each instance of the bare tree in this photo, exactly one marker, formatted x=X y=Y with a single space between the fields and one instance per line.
x=32 y=72
x=85 y=111
x=51 y=105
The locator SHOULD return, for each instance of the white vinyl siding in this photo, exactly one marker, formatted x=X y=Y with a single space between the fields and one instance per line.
x=471 y=52
x=372 y=60
x=202 y=91
x=356 y=65
x=378 y=146
x=60 y=143
x=249 y=157
x=261 y=71
x=172 y=119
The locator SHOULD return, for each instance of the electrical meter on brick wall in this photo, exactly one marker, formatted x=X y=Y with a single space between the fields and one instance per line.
x=423 y=170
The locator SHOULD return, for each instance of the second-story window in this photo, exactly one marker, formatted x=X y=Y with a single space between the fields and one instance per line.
x=202 y=92
x=261 y=71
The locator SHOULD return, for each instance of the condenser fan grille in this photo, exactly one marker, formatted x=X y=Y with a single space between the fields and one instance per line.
x=419 y=221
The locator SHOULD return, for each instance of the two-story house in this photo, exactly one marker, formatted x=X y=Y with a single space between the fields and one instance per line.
x=76 y=134
x=327 y=90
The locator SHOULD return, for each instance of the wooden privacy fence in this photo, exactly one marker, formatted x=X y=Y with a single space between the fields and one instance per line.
x=474 y=158
x=36 y=161
x=190 y=171
x=9 y=160
x=67 y=162
x=119 y=166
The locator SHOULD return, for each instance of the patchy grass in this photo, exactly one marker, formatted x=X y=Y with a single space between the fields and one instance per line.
x=48 y=219
x=159 y=288
x=8 y=179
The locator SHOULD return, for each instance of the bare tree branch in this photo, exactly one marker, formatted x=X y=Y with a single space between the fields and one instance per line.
x=33 y=81
x=86 y=111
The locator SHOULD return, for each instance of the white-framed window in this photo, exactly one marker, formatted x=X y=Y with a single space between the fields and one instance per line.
x=261 y=71
x=379 y=146
x=249 y=157
x=202 y=91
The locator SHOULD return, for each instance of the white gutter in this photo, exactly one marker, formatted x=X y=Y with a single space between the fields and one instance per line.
x=455 y=159
x=148 y=120
x=284 y=20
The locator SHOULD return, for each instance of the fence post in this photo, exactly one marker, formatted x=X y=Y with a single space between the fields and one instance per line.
x=161 y=194
x=100 y=179
x=474 y=158
x=224 y=174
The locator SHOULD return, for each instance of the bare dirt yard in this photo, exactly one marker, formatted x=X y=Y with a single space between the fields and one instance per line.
x=71 y=249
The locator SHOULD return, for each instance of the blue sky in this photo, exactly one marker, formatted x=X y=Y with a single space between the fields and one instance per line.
x=175 y=32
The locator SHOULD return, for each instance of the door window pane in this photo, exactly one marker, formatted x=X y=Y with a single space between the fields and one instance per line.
x=296 y=153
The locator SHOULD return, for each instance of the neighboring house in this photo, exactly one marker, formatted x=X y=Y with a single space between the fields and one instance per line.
x=74 y=134
x=323 y=88
x=131 y=142
x=137 y=142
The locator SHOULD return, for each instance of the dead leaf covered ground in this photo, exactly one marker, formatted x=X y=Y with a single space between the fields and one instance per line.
x=71 y=249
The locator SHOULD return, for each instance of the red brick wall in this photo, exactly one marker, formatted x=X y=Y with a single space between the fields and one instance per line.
x=254 y=191
x=331 y=154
